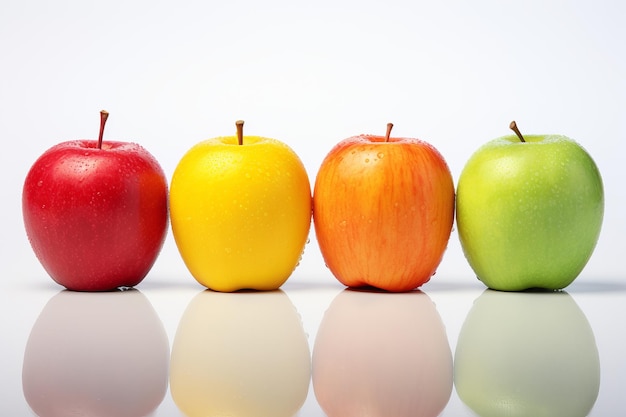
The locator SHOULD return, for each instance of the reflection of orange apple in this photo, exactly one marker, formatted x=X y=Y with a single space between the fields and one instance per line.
x=240 y=355
x=383 y=209
x=382 y=354
x=96 y=354
x=527 y=354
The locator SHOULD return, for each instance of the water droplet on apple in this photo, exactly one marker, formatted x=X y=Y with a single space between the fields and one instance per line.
x=39 y=183
x=343 y=223
x=367 y=160
x=380 y=155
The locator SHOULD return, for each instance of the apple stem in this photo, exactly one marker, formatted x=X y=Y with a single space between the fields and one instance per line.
x=104 y=115
x=239 y=124
x=389 y=127
x=513 y=127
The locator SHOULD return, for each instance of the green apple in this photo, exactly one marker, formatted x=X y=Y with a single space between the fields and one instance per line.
x=527 y=354
x=529 y=211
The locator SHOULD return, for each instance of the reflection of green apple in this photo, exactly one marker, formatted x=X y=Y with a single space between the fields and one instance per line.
x=240 y=354
x=527 y=354
x=380 y=354
x=529 y=213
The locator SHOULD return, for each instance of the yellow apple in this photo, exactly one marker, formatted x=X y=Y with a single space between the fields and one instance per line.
x=240 y=211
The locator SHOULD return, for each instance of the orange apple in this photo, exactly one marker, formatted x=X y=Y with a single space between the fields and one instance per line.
x=383 y=209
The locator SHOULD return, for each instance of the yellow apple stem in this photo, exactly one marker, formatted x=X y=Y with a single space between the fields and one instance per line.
x=239 y=124
x=513 y=127
x=389 y=127
x=104 y=115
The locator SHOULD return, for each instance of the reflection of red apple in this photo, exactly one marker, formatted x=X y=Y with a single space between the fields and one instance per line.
x=96 y=213
x=383 y=209
x=96 y=354
x=527 y=354
x=240 y=355
x=382 y=354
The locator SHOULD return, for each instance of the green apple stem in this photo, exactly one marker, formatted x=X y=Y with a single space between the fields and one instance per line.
x=104 y=115
x=389 y=127
x=513 y=127
x=239 y=124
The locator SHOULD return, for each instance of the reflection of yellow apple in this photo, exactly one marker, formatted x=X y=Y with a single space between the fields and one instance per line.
x=527 y=354
x=96 y=354
x=240 y=213
x=382 y=354
x=240 y=355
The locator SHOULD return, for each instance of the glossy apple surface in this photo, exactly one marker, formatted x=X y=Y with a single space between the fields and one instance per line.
x=239 y=355
x=527 y=354
x=529 y=213
x=381 y=354
x=383 y=211
x=240 y=213
x=96 y=218
x=96 y=354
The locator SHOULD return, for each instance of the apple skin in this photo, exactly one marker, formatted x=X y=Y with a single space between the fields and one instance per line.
x=96 y=218
x=529 y=353
x=239 y=355
x=529 y=214
x=380 y=354
x=383 y=211
x=96 y=354
x=240 y=214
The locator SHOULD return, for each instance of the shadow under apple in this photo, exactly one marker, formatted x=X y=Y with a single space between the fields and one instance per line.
x=96 y=354
x=240 y=354
x=382 y=354
x=529 y=353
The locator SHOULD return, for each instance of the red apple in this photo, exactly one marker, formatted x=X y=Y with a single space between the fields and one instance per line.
x=383 y=209
x=96 y=213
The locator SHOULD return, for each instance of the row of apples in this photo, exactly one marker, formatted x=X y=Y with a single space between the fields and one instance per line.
x=528 y=210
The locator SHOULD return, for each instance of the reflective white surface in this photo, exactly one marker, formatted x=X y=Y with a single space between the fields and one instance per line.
x=370 y=350
x=453 y=73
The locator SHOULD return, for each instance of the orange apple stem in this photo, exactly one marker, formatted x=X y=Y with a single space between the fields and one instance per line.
x=389 y=127
x=513 y=127
x=104 y=115
x=239 y=124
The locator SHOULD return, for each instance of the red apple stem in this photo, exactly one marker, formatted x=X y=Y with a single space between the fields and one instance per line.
x=104 y=115
x=239 y=124
x=389 y=127
x=513 y=127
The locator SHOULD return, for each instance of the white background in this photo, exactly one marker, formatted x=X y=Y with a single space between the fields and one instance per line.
x=453 y=73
